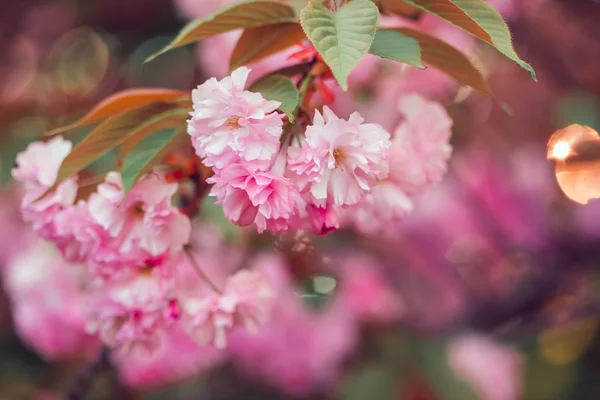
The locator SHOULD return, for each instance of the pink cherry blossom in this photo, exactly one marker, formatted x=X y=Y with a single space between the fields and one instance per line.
x=37 y=169
x=324 y=220
x=230 y=124
x=420 y=148
x=47 y=296
x=341 y=160
x=365 y=292
x=176 y=357
x=472 y=357
x=78 y=236
x=133 y=311
x=386 y=203
x=246 y=301
x=298 y=350
x=248 y=196
x=144 y=223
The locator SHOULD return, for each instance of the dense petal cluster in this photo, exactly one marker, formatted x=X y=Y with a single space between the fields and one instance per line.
x=418 y=159
x=230 y=124
x=340 y=160
x=37 y=168
x=246 y=301
x=46 y=296
x=259 y=197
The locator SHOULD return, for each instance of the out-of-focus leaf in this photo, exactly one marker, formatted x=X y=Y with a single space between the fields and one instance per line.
x=399 y=7
x=397 y=46
x=564 y=344
x=440 y=55
x=279 y=88
x=433 y=361
x=479 y=19
x=576 y=150
x=372 y=382
x=342 y=37
x=263 y=41
x=111 y=133
x=213 y=214
x=119 y=103
x=150 y=152
x=244 y=14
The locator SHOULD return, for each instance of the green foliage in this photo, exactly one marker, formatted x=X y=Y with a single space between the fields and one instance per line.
x=479 y=19
x=397 y=46
x=148 y=153
x=342 y=37
x=279 y=88
x=244 y=14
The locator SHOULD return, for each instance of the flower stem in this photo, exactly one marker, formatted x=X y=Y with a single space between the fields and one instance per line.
x=200 y=272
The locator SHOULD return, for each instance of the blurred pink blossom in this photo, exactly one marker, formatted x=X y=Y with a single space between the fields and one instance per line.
x=492 y=369
x=47 y=296
x=176 y=357
x=299 y=350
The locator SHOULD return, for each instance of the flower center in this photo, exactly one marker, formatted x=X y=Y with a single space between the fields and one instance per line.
x=146 y=270
x=137 y=210
x=338 y=156
x=233 y=123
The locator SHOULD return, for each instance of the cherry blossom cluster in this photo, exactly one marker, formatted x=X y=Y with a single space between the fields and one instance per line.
x=336 y=170
x=132 y=246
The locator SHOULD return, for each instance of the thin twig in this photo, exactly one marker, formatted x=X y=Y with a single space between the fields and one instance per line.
x=84 y=382
x=200 y=272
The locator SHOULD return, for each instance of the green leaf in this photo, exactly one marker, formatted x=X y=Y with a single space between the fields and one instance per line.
x=150 y=152
x=279 y=88
x=112 y=132
x=396 y=46
x=258 y=43
x=244 y=14
x=440 y=55
x=342 y=37
x=479 y=19
x=171 y=118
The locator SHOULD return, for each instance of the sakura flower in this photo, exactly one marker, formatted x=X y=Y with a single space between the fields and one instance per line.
x=177 y=357
x=324 y=220
x=143 y=224
x=297 y=350
x=420 y=148
x=263 y=198
x=386 y=203
x=246 y=301
x=37 y=168
x=77 y=234
x=132 y=312
x=230 y=124
x=341 y=160
x=471 y=357
x=46 y=294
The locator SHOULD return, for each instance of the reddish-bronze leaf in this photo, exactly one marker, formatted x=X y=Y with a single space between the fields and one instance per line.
x=172 y=118
x=439 y=54
x=258 y=43
x=576 y=150
x=111 y=133
x=119 y=103
x=399 y=7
